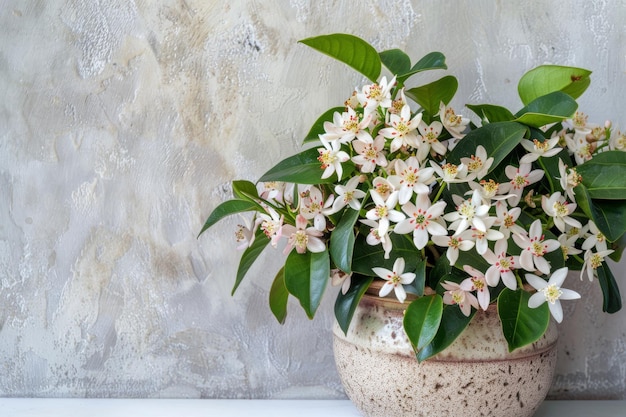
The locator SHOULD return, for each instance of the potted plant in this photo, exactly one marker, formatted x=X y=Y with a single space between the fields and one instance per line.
x=397 y=194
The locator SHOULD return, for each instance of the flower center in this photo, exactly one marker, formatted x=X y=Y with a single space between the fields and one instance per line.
x=478 y=283
x=375 y=92
x=300 y=239
x=467 y=210
x=560 y=209
x=457 y=297
x=508 y=221
x=402 y=128
x=450 y=170
x=540 y=146
x=326 y=158
x=538 y=248
x=475 y=163
x=519 y=181
x=410 y=176
x=552 y=293
x=595 y=261
x=490 y=187
x=381 y=211
x=430 y=135
x=505 y=264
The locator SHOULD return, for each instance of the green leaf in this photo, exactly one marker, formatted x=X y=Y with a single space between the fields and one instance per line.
x=396 y=61
x=245 y=190
x=422 y=319
x=521 y=325
x=431 y=61
x=318 y=127
x=417 y=286
x=551 y=108
x=342 y=240
x=226 y=209
x=346 y=304
x=546 y=79
x=429 y=96
x=611 y=298
x=490 y=113
x=608 y=215
x=249 y=256
x=302 y=168
x=453 y=322
x=350 y=50
x=499 y=139
x=604 y=175
x=279 y=296
x=306 y=276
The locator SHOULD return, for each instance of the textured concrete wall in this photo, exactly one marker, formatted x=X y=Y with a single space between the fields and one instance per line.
x=121 y=125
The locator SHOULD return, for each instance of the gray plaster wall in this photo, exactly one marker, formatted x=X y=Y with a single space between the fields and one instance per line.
x=122 y=123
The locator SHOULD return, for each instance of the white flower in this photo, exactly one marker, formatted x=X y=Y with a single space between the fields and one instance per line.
x=593 y=261
x=395 y=279
x=476 y=282
x=384 y=211
x=482 y=238
x=411 y=178
x=551 y=292
x=271 y=190
x=422 y=220
x=454 y=244
x=559 y=209
x=430 y=139
x=478 y=165
x=501 y=266
x=507 y=219
x=377 y=94
x=618 y=142
x=520 y=178
x=302 y=237
x=538 y=149
x=595 y=239
x=331 y=156
x=456 y=295
x=370 y=155
x=339 y=277
x=245 y=233
x=271 y=224
x=470 y=212
x=346 y=127
x=313 y=206
x=568 y=179
x=534 y=247
x=375 y=238
x=348 y=195
x=452 y=122
x=402 y=129
x=578 y=145
x=567 y=245
x=450 y=173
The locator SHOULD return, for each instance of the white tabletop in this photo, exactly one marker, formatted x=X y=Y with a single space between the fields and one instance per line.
x=28 y=407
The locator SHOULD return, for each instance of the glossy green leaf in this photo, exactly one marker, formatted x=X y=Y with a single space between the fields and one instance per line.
x=546 y=79
x=453 y=322
x=608 y=215
x=499 y=139
x=421 y=320
x=346 y=304
x=396 y=61
x=249 y=256
x=490 y=113
x=303 y=168
x=306 y=276
x=551 y=108
x=279 y=296
x=430 y=61
x=429 y=96
x=350 y=50
x=521 y=325
x=611 y=298
x=604 y=176
x=226 y=209
x=318 y=127
x=245 y=190
x=417 y=286
x=342 y=240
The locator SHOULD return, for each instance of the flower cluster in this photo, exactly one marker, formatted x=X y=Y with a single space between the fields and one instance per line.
x=419 y=197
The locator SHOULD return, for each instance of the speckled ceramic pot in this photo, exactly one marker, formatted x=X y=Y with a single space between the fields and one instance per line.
x=475 y=376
